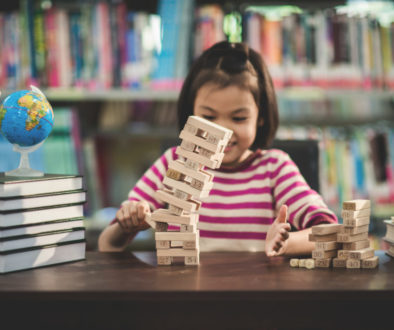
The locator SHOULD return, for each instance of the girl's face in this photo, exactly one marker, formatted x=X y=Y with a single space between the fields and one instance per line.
x=235 y=109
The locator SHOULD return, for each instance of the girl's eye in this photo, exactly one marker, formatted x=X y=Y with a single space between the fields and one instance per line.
x=211 y=118
x=238 y=119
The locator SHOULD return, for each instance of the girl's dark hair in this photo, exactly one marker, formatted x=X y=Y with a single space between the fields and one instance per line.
x=226 y=64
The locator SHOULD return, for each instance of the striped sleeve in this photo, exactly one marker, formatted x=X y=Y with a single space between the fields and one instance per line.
x=306 y=207
x=152 y=180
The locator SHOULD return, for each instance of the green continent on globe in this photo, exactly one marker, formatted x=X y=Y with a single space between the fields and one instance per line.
x=2 y=113
x=36 y=109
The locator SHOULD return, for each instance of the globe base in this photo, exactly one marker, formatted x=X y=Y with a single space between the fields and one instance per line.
x=26 y=172
x=24 y=168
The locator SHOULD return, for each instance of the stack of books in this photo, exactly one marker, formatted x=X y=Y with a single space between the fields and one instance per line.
x=389 y=238
x=41 y=221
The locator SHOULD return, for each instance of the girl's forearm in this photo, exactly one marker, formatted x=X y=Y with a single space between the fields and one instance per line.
x=298 y=243
x=114 y=239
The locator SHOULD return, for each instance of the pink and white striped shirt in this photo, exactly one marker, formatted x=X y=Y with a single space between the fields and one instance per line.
x=244 y=201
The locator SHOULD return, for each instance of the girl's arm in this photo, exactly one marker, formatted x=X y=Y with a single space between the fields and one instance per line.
x=130 y=218
x=114 y=239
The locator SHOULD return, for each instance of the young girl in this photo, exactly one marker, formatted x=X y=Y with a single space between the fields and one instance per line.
x=258 y=192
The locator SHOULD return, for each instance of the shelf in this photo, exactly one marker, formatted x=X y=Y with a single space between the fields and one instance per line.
x=74 y=94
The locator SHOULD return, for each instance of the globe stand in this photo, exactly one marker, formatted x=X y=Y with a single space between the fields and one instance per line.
x=24 y=168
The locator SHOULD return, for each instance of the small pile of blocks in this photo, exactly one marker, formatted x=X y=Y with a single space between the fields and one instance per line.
x=326 y=245
x=343 y=245
x=203 y=144
x=356 y=251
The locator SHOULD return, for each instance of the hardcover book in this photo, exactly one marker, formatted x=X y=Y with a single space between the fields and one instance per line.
x=34 y=257
x=11 y=186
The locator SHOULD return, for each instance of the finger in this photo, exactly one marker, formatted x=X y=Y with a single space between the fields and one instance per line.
x=282 y=216
x=141 y=211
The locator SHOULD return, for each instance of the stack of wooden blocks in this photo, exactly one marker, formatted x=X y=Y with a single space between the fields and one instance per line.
x=326 y=245
x=356 y=251
x=343 y=246
x=203 y=144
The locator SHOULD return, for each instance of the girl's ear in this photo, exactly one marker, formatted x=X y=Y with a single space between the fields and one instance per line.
x=260 y=122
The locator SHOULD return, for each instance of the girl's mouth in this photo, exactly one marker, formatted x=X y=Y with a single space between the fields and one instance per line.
x=229 y=146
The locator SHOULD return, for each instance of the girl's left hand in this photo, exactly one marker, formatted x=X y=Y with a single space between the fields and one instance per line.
x=277 y=235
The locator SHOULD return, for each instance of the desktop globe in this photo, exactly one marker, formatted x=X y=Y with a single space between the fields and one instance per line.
x=26 y=120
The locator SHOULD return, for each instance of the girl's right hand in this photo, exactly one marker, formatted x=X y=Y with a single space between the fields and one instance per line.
x=131 y=216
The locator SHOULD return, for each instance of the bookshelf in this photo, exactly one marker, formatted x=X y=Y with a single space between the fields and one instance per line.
x=144 y=107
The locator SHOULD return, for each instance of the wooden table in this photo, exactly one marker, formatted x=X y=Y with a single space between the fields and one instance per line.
x=228 y=290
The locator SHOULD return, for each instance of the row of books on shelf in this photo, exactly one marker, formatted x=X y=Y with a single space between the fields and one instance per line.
x=103 y=44
x=41 y=221
x=355 y=163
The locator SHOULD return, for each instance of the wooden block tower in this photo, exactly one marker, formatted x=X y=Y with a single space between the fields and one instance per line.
x=203 y=144
x=326 y=246
x=356 y=248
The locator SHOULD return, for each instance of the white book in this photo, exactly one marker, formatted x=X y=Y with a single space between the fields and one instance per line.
x=42 y=200
x=43 y=256
x=38 y=215
x=11 y=186
x=43 y=227
x=28 y=241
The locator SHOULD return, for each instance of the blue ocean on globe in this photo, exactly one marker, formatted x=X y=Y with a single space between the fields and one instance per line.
x=26 y=118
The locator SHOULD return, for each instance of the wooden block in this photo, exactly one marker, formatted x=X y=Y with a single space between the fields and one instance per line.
x=192 y=260
x=320 y=254
x=355 y=230
x=181 y=194
x=148 y=219
x=167 y=197
x=197 y=158
x=188 y=228
x=347 y=238
x=356 y=204
x=325 y=246
x=176 y=210
x=323 y=263
x=370 y=262
x=193 y=165
x=190 y=129
x=210 y=127
x=356 y=222
x=189 y=146
x=161 y=226
x=323 y=238
x=164 y=215
x=356 y=245
x=207 y=143
x=343 y=254
x=353 y=263
x=164 y=260
x=177 y=252
x=310 y=263
x=200 y=175
x=348 y=214
x=187 y=245
x=338 y=263
x=163 y=244
x=197 y=184
x=294 y=262
x=326 y=228
x=301 y=263
x=186 y=188
x=175 y=175
x=362 y=254
x=176 y=236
